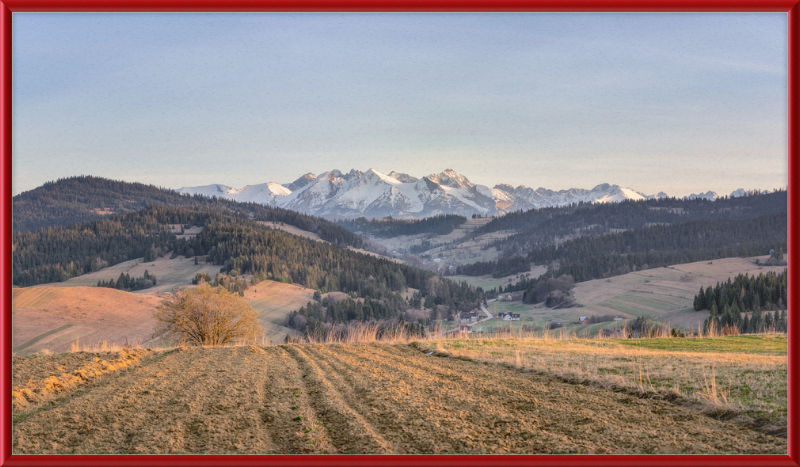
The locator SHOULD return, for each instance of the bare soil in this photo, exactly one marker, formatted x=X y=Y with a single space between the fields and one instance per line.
x=360 y=398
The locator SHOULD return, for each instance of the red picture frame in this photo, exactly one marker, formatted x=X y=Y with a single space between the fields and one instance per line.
x=792 y=7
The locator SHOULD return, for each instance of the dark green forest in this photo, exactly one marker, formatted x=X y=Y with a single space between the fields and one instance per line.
x=78 y=199
x=542 y=227
x=598 y=256
x=388 y=227
x=748 y=295
x=601 y=256
x=129 y=284
x=239 y=246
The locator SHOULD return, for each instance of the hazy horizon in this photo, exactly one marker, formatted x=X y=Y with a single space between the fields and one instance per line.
x=680 y=103
x=471 y=179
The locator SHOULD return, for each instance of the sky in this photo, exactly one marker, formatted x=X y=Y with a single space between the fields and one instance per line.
x=680 y=103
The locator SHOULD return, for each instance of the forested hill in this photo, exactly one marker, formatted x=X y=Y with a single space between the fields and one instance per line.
x=388 y=227
x=540 y=227
x=236 y=243
x=600 y=256
x=86 y=198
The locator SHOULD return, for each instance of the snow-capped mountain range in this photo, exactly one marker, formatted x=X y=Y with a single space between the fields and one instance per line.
x=372 y=193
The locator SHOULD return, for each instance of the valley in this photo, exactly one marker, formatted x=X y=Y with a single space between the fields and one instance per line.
x=350 y=318
x=282 y=238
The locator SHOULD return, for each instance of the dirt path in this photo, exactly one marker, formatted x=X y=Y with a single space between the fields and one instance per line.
x=362 y=399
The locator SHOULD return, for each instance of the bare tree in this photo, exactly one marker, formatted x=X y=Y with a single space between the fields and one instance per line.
x=207 y=316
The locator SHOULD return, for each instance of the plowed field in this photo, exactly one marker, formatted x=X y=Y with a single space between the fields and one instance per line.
x=361 y=398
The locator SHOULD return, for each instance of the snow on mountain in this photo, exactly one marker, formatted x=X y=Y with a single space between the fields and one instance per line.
x=709 y=195
x=405 y=178
x=220 y=191
x=739 y=192
x=375 y=194
x=450 y=178
x=264 y=193
x=300 y=182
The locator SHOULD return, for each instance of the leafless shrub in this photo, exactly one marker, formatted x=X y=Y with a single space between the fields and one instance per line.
x=207 y=316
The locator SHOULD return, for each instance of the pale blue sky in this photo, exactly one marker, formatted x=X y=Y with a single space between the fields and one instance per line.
x=656 y=102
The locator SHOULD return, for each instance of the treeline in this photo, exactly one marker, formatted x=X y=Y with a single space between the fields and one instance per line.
x=129 y=284
x=443 y=297
x=246 y=248
x=746 y=293
x=596 y=319
x=232 y=283
x=389 y=227
x=542 y=227
x=85 y=198
x=241 y=247
x=730 y=322
x=556 y=292
x=55 y=254
x=597 y=257
x=501 y=268
x=312 y=318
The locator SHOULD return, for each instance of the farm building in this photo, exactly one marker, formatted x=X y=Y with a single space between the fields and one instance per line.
x=468 y=316
x=508 y=316
x=583 y=320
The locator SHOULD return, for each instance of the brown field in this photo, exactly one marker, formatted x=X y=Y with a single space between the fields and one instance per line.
x=55 y=318
x=744 y=378
x=350 y=398
x=273 y=301
x=664 y=294
x=170 y=273
x=58 y=317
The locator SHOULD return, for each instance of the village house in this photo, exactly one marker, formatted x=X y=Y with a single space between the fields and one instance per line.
x=583 y=320
x=468 y=316
x=508 y=316
x=464 y=329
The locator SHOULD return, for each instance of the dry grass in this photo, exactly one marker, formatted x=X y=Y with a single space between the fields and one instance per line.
x=38 y=391
x=734 y=382
x=752 y=387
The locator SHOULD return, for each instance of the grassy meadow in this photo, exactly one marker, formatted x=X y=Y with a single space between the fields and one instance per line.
x=737 y=377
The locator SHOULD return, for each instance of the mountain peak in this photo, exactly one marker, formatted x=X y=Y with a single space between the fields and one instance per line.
x=376 y=194
x=300 y=182
x=709 y=195
x=405 y=178
x=451 y=178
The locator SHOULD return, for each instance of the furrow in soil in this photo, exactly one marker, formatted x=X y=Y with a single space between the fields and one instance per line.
x=349 y=430
x=287 y=411
x=189 y=401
